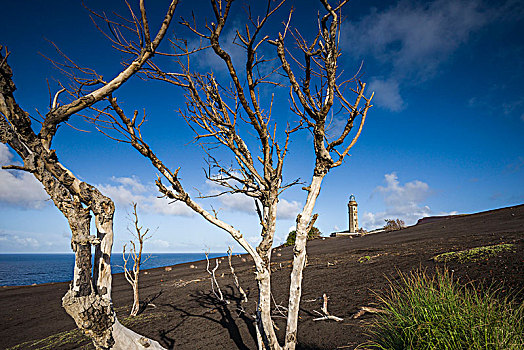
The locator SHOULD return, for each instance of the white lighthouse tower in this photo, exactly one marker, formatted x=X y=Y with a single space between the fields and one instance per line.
x=353 y=217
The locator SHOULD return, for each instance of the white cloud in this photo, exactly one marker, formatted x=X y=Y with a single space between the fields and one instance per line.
x=159 y=243
x=401 y=201
x=242 y=203
x=121 y=195
x=133 y=182
x=167 y=207
x=396 y=195
x=5 y=155
x=287 y=209
x=253 y=240
x=238 y=202
x=335 y=127
x=131 y=190
x=19 y=188
x=446 y=213
x=17 y=241
x=387 y=94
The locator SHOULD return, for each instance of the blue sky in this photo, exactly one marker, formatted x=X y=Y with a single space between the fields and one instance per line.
x=445 y=134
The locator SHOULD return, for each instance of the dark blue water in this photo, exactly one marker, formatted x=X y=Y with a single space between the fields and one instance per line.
x=26 y=269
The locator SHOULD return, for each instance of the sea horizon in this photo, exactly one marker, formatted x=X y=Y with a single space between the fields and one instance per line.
x=23 y=269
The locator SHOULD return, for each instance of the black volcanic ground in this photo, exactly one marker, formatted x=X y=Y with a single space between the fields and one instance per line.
x=190 y=317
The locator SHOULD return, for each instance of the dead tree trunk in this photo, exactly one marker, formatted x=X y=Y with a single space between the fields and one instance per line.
x=299 y=260
x=88 y=301
x=91 y=308
x=264 y=320
x=132 y=275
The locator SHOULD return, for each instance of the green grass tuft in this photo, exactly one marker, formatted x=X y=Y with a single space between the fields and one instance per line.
x=75 y=337
x=425 y=312
x=70 y=338
x=363 y=259
x=474 y=254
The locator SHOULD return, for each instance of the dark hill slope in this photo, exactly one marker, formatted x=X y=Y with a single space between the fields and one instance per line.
x=346 y=269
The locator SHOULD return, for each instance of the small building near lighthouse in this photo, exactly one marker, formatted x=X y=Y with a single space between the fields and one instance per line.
x=353 y=219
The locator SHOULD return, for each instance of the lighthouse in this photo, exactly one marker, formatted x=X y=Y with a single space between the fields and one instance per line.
x=353 y=217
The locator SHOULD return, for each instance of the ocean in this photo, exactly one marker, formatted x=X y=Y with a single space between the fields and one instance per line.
x=27 y=269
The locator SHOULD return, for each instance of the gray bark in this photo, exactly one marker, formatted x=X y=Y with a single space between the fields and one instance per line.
x=87 y=301
x=299 y=261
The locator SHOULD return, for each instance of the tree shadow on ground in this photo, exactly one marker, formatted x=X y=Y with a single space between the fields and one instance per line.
x=212 y=305
x=148 y=301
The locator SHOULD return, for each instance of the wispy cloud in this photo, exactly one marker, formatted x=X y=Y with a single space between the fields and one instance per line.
x=507 y=106
x=237 y=202
x=18 y=240
x=126 y=190
x=208 y=59
x=416 y=38
x=241 y=203
x=387 y=94
x=19 y=188
x=412 y=40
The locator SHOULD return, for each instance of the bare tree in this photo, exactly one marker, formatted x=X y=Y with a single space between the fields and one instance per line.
x=235 y=278
x=219 y=112
x=88 y=300
x=136 y=255
x=319 y=64
x=215 y=287
x=215 y=112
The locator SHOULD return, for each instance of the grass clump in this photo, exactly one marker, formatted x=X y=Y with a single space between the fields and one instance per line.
x=68 y=338
x=75 y=338
x=363 y=259
x=423 y=312
x=474 y=254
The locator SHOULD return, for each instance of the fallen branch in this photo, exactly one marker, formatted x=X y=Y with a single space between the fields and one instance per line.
x=364 y=309
x=182 y=283
x=281 y=310
x=325 y=313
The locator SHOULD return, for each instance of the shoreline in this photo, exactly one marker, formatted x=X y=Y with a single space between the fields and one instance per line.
x=142 y=269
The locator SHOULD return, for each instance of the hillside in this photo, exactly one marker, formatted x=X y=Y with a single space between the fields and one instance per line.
x=188 y=316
